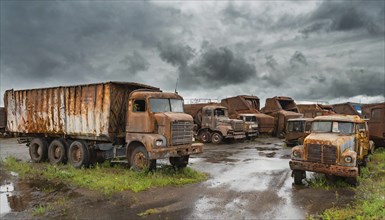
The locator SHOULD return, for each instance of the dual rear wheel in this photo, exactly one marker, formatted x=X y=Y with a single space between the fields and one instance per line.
x=58 y=151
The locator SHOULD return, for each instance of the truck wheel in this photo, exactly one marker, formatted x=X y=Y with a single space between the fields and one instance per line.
x=216 y=138
x=298 y=176
x=139 y=160
x=78 y=154
x=204 y=136
x=57 y=151
x=38 y=150
x=179 y=162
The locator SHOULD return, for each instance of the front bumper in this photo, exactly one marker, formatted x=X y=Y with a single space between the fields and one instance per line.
x=324 y=168
x=236 y=135
x=176 y=151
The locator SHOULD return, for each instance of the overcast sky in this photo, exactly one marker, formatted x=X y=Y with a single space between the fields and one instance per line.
x=310 y=50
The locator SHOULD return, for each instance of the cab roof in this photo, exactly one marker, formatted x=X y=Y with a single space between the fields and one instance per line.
x=347 y=118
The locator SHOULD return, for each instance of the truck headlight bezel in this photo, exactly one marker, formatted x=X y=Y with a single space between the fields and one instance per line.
x=296 y=153
x=159 y=143
x=348 y=159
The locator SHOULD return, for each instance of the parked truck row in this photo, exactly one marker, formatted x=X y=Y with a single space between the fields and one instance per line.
x=138 y=124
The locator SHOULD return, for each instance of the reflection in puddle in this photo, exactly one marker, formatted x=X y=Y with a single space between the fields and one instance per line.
x=5 y=192
x=10 y=200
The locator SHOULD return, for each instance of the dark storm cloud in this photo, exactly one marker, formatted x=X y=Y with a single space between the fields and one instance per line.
x=213 y=67
x=175 y=54
x=344 y=84
x=347 y=16
x=220 y=66
x=135 y=62
x=79 y=41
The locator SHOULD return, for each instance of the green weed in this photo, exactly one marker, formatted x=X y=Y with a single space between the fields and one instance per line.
x=40 y=210
x=105 y=178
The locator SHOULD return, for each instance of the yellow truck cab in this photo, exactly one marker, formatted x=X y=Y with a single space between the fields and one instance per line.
x=337 y=145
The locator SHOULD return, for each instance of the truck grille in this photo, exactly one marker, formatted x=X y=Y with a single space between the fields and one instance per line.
x=181 y=132
x=322 y=153
x=238 y=126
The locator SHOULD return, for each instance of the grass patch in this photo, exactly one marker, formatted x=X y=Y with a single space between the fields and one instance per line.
x=104 y=178
x=370 y=194
x=40 y=210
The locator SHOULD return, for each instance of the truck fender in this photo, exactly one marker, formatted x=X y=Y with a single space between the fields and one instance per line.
x=142 y=139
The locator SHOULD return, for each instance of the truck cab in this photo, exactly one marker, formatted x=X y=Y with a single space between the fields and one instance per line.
x=337 y=145
x=250 y=124
x=296 y=130
x=156 y=121
x=216 y=125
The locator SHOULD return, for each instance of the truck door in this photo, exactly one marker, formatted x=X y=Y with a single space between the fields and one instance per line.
x=139 y=119
x=207 y=118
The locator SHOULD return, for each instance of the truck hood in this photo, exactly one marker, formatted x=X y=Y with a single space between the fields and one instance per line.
x=342 y=141
x=163 y=118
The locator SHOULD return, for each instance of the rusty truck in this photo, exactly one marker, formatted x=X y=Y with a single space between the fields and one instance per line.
x=246 y=107
x=348 y=108
x=119 y=121
x=375 y=114
x=212 y=123
x=337 y=145
x=296 y=131
x=282 y=109
x=314 y=110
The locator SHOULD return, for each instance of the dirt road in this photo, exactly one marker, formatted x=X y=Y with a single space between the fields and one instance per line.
x=250 y=180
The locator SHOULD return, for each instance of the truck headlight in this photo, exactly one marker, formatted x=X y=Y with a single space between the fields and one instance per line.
x=296 y=153
x=159 y=143
x=348 y=159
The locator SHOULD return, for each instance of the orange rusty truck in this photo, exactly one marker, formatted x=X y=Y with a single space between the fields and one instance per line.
x=119 y=121
x=375 y=115
x=246 y=107
x=282 y=109
x=337 y=145
x=212 y=123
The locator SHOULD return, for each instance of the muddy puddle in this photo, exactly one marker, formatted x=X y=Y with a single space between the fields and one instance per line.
x=11 y=198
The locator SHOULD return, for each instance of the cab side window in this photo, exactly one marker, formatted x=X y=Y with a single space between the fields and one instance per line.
x=139 y=106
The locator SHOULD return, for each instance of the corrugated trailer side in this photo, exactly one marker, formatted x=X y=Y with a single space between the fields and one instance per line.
x=92 y=111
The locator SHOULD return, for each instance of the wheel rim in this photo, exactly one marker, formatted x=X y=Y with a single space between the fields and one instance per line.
x=140 y=160
x=204 y=137
x=76 y=154
x=57 y=152
x=216 y=138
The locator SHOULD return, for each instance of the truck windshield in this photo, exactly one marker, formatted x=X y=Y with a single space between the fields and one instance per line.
x=166 y=105
x=220 y=112
x=250 y=118
x=295 y=126
x=334 y=127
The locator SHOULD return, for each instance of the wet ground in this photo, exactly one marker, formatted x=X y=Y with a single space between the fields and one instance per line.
x=250 y=180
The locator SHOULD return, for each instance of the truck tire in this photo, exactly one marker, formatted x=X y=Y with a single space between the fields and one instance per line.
x=38 y=150
x=298 y=176
x=205 y=136
x=139 y=160
x=78 y=154
x=57 y=151
x=179 y=162
x=216 y=138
